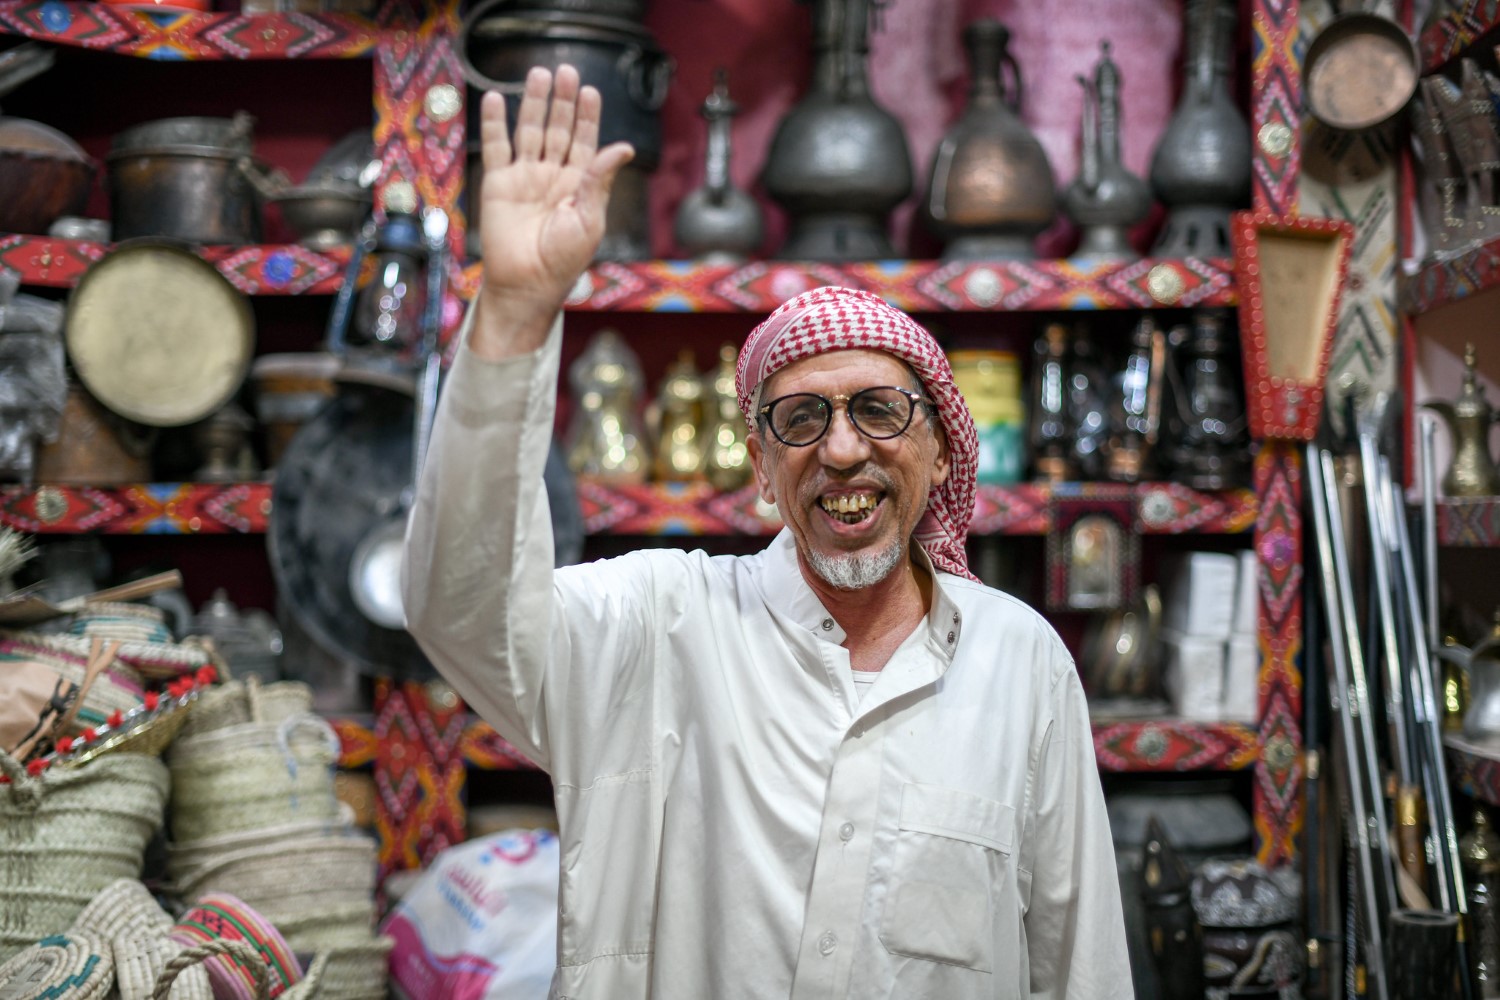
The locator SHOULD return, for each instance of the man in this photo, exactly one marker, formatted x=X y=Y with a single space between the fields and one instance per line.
x=838 y=768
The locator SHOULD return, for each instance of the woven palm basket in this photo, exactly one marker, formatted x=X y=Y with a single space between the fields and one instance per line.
x=185 y=858
x=358 y=971
x=118 y=688
x=67 y=834
x=235 y=702
x=77 y=966
x=292 y=876
x=312 y=931
x=253 y=775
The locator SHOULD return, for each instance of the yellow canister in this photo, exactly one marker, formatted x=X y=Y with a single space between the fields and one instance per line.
x=991 y=383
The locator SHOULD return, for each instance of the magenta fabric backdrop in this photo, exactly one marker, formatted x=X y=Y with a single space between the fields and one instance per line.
x=918 y=73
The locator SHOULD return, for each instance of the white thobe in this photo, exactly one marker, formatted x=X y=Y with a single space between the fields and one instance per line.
x=736 y=821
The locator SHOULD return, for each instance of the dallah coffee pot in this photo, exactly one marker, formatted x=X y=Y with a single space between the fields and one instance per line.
x=1469 y=419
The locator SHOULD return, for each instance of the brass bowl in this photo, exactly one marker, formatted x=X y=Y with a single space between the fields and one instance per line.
x=324 y=217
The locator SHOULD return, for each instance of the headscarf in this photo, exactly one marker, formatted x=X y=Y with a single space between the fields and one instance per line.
x=836 y=319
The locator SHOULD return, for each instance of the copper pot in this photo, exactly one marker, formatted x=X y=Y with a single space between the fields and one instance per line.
x=94 y=447
x=43 y=173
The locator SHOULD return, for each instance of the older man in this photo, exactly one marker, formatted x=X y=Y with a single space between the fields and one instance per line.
x=840 y=767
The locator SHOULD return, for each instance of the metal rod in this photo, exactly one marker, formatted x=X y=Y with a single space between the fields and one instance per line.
x=1375 y=887
x=1428 y=431
x=1369 y=457
x=1445 y=830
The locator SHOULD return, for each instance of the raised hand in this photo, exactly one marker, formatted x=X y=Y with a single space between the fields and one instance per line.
x=541 y=205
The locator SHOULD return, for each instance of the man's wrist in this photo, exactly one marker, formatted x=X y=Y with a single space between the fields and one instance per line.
x=507 y=325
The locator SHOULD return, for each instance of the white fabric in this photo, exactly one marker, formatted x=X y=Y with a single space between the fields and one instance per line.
x=733 y=823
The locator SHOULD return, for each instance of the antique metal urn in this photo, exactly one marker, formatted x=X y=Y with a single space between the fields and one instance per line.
x=1201 y=167
x=1469 y=419
x=1105 y=199
x=719 y=223
x=839 y=162
x=990 y=189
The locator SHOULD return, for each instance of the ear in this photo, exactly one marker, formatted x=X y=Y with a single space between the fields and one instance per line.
x=760 y=462
x=941 y=460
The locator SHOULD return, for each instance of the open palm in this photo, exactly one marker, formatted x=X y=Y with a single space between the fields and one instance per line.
x=545 y=191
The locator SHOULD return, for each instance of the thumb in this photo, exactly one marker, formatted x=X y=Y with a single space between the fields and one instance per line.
x=599 y=180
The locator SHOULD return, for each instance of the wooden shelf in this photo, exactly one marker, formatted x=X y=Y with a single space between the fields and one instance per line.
x=1475 y=767
x=1447 y=37
x=914 y=285
x=174 y=35
x=274 y=269
x=676 y=509
x=1472 y=523
x=1162 y=745
x=138 y=509
x=1443 y=282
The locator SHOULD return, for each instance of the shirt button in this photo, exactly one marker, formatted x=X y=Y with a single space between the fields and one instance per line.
x=955 y=617
x=827 y=943
x=827 y=624
x=952 y=636
x=846 y=832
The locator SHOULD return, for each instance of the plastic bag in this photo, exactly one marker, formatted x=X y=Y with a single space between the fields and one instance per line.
x=481 y=923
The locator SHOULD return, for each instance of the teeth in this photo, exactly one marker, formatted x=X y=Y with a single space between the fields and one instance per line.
x=848 y=503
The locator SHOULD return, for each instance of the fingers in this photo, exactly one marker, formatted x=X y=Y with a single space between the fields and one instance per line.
x=586 y=128
x=494 y=141
x=560 y=118
x=593 y=192
x=532 y=117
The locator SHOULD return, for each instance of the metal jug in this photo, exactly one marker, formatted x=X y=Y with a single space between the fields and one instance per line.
x=1482 y=720
x=1105 y=199
x=1469 y=419
x=718 y=222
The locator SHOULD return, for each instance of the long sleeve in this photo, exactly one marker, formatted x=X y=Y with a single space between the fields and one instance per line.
x=1074 y=925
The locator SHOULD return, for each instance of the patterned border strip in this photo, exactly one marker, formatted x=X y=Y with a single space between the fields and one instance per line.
x=1278 y=547
x=1469 y=523
x=178 y=36
x=1173 y=745
x=138 y=509
x=1448 y=36
x=657 y=509
x=1442 y=282
x=255 y=270
x=1157 y=745
x=913 y=285
x=1276 y=106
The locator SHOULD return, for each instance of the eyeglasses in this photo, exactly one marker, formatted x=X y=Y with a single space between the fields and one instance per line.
x=880 y=412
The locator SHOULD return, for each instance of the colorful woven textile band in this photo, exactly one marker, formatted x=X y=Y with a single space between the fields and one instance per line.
x=220 y=915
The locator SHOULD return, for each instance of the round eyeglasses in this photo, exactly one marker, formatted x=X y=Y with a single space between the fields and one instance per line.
x=880 y=412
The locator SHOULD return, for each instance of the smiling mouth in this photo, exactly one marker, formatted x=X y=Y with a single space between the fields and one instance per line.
x=850 y=508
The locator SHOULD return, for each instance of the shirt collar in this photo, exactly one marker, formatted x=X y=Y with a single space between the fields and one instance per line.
x=788 y=594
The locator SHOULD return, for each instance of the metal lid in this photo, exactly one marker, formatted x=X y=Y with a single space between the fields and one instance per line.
x=213 y=136
x=158 y=335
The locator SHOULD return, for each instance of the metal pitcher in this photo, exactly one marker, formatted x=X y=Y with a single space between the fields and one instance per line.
x=1469 y=418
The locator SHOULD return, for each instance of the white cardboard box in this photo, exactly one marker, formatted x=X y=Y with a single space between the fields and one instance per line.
x=1242 y=679
x=1246 y=595
x=1198 y=595
x=1193 y=674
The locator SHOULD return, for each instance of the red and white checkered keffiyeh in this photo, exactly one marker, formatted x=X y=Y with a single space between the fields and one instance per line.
x=837 y=319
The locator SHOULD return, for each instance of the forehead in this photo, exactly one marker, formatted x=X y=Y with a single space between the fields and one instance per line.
x=837 y=372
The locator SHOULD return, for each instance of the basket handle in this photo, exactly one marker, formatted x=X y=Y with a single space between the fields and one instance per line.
x=252 y=695
x=240 y=951
x=26 y=791
x=308 y=985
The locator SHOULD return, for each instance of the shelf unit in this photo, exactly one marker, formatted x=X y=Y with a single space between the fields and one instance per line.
x=420 y=747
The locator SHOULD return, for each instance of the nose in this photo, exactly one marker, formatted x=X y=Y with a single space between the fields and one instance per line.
x=843 y=446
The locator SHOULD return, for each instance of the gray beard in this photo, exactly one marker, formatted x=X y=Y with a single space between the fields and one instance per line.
x=857 y=570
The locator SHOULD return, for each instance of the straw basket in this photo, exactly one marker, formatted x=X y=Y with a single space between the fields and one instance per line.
x=124 y=908
x=327 y=927
x=69 y=833
x=244 y=954
x=126 y=915
x=222 y=917
x=118 y=688
x=237 y=702
x=349 y=972
x=185 y=858
x=141 y=961
x=122 y=620
x=290 y=876
x=77 y=966
x=252 y=775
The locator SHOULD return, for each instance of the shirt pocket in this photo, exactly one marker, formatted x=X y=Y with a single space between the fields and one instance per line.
x=950 y=865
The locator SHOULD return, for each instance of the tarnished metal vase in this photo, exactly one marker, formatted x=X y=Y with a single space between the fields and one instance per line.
x=990 y=188
x=1201 y=167
x=839 y=162
x=1105 y=199
x=717 y=222
x=1469 y=418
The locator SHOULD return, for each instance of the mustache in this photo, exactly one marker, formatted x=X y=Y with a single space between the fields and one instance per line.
x=820 y=483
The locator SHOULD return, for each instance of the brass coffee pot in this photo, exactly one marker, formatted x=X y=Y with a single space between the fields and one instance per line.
x=1469 y=419
x=727 y=465
x=679 y=401
x=606 y=441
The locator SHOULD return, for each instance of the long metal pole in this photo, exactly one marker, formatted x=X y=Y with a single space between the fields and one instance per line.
x=1428 y=430
x=1374 y=891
